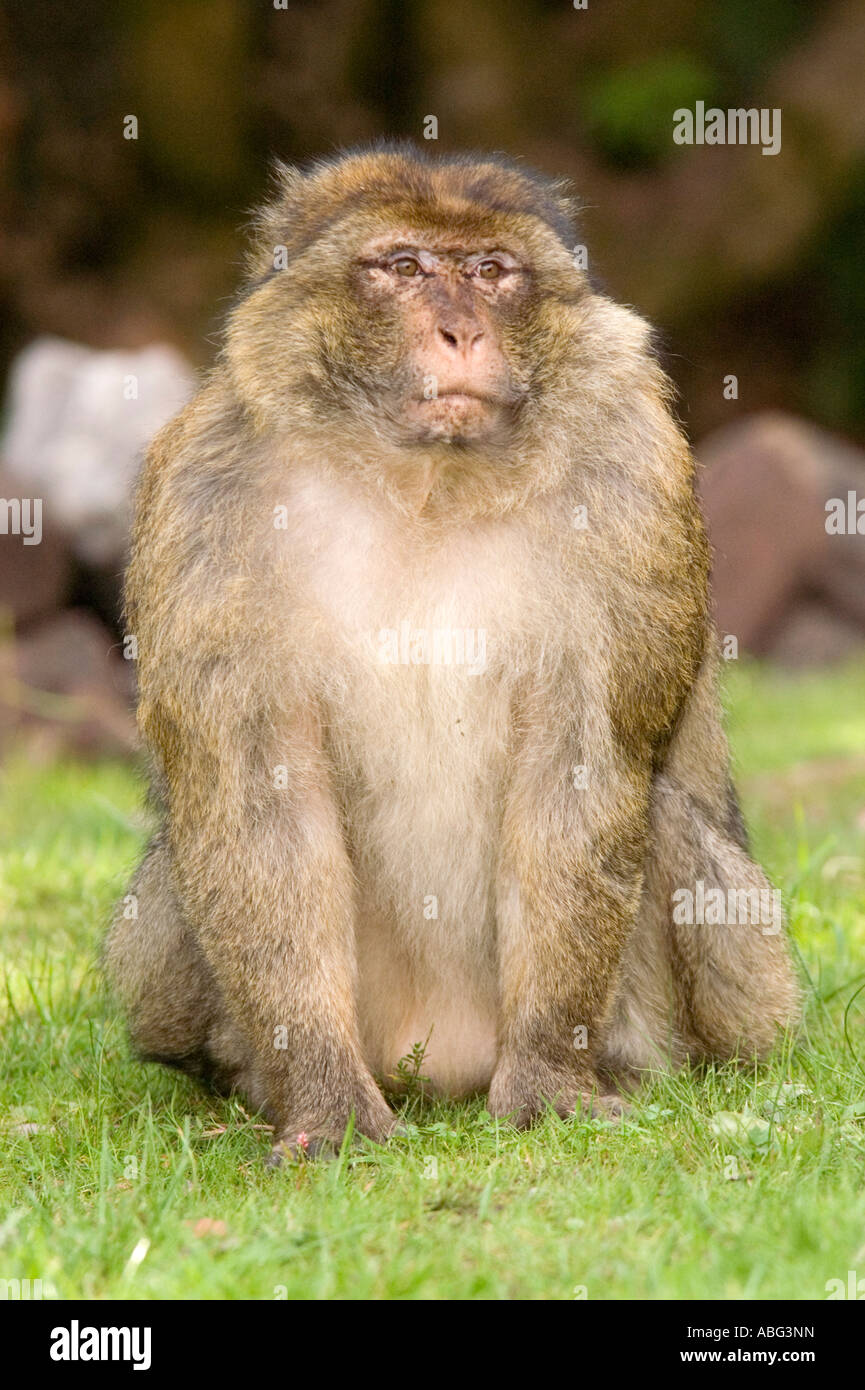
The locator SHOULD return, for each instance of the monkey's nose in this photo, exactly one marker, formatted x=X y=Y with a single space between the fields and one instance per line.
x=461 y=337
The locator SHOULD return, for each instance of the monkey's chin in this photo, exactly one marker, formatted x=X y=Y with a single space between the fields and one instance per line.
x=454 y=419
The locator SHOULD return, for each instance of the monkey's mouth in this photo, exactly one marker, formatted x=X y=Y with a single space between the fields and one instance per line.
x=455 y=400
x=457 y=415
x=459 y=396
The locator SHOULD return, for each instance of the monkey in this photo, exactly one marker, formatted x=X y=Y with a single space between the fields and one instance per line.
x=426 y=668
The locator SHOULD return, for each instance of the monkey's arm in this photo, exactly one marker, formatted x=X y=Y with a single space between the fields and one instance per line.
x=255 y=840
x=265 y=879
x=568 y=888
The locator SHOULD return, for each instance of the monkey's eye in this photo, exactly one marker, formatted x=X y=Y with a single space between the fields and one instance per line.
x=488 y=270
x=406 y=265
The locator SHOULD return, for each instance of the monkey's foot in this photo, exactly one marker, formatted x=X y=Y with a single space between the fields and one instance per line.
x=593 y=1106
x=299 y=1148
x=297 y=1143
x=524 y=1098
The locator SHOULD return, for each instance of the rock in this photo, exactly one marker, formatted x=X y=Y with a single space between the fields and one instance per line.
x=777 y=573
x=34 y=579
x=761 y=497
x=78 y=422
x=813 y=634
x=66 y=688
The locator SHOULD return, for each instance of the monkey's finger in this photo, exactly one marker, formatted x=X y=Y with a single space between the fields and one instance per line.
x=301 y=1150
x=592 y=1106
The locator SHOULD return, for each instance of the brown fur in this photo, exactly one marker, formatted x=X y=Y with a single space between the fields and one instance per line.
x=303 y=903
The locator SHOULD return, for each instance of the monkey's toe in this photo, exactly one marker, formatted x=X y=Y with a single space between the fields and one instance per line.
x=592 y=1106
x=300 y=1146
x=301 y=1149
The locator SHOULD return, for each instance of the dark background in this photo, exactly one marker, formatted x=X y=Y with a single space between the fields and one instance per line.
x=747 y=264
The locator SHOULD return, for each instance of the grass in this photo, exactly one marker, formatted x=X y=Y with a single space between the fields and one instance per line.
x=122 y=1180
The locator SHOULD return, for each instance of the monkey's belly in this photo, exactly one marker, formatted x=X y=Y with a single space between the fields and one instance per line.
x=422 y=754
x=407 y=998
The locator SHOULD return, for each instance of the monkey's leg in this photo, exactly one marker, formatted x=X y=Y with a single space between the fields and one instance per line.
x=266 y=880
x=733 y=979
x=703 y=989
x=174 y=1009
x=643 y=1032
x=155 y=967
x=569 y=885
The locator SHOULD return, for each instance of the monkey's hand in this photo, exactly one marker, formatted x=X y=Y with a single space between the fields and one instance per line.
x=323 y=1138
x=525 y=1094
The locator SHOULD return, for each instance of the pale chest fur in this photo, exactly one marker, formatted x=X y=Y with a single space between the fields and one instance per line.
x=418 y=641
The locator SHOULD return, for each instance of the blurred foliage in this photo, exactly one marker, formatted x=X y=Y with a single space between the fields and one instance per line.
x=744 y=37
x=833 y=281
x=748 y=264
x=622 y=106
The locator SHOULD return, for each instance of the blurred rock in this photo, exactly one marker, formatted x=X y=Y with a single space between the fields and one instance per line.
x=34 y=579
x=781 y=584
x=65 y=688
x=813 y=634
x=762 y=500
x=78 y=422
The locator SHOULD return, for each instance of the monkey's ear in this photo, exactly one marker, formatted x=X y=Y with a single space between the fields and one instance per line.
x=287 y=179
x=272 y=224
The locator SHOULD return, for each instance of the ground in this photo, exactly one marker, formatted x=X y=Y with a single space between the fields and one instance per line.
x=122 y=1180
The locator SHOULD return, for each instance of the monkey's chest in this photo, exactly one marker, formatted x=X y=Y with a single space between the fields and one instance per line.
x=417 y=656
x=420 y=753
x=416 y=663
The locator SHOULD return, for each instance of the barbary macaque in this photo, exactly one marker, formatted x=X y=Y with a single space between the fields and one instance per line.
x=419 y=587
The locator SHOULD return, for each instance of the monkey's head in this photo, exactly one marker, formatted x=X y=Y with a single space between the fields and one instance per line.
x=422 y=299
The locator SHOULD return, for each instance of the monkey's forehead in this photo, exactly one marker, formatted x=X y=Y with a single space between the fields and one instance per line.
x=464 y=192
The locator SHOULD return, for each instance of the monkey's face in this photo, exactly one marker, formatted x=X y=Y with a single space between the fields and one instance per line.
x=419 y=303
x=440 y=311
